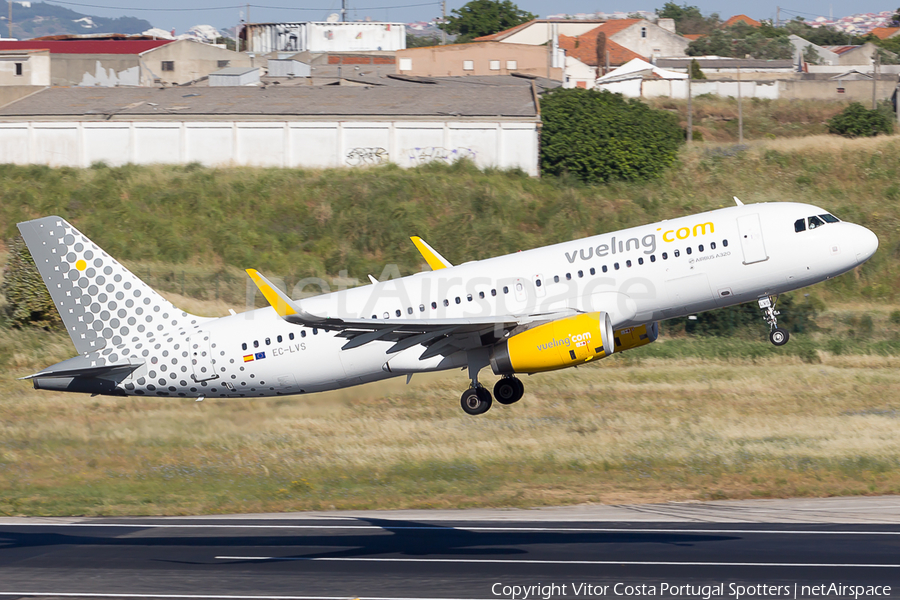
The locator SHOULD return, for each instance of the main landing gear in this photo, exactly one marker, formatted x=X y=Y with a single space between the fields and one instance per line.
x=777 y=335
x=477 y=399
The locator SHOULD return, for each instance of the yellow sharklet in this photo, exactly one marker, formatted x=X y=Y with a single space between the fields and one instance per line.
x=272 y=295
x=431 y=256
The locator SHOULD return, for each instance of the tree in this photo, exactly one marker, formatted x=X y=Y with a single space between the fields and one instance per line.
x=421 y=41
x=811 y=55
x=688 y=19
x=742 y=40
x=696 y=72
x=484 y=17
x=858 y=121
x=598 y=136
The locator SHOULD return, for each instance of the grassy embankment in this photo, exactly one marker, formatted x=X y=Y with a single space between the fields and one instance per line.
x=730 y=418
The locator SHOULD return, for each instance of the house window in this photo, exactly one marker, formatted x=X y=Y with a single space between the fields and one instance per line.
x=468 y=65
x=168 y=65
x=18 y=68
x=512 y=65
x=643 y=32
x=495 y=65
x=406 y=64
x=223 y=63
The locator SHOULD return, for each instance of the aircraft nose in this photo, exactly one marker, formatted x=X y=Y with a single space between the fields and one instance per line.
x=866 y=245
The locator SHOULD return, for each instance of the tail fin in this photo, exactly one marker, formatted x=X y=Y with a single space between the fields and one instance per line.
x=101 y=302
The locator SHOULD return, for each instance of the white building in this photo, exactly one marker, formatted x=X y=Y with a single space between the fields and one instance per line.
x=324 y=36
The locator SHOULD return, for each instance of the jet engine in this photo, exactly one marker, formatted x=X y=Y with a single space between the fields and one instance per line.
x=635 y=337
x=555 y=345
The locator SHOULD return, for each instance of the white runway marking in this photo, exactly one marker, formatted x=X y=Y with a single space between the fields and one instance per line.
x=461 y=528
x=513 y=561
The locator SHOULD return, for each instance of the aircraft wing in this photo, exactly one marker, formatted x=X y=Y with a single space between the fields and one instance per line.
x=441 y=336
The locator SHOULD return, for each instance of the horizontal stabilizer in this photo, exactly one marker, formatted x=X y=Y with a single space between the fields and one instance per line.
x=106 y=370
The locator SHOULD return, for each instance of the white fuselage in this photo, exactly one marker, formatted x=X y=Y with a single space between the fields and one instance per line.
x=639 y=275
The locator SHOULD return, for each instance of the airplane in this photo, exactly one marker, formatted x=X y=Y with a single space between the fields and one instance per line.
x=538 y=310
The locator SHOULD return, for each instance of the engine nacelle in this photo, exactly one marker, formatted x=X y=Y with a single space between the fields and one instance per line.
x=555 y=345
x=635 y=337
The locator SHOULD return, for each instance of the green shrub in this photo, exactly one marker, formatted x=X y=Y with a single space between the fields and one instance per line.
x=600 y=136
x=28 y=298
x=858 y=121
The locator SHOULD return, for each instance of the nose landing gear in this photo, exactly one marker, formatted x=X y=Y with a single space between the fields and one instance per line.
x=777 y=335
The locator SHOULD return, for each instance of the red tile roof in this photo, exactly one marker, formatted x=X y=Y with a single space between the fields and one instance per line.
x=502 y=34
x=584 y=48
x=610 y=27
x=693 y=36
x=87 y=46
x=744 y=18
x=883 y=33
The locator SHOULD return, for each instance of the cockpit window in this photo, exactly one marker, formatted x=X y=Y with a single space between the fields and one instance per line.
x=815 y=222
x=829 y=218
x=800 y=225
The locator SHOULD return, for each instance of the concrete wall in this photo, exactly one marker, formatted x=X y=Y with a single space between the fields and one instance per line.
x=35 y=66
x=105 y=70
x=450 y=60
x=192 y=60
x=318 y=36
x=579 y=74
x=658 y=42
x=310 y=144
x=860 y=91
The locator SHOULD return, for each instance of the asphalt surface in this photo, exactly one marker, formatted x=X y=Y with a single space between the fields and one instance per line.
x=780 y=547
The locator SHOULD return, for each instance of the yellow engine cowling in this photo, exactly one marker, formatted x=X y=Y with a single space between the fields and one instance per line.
x=555 y=345
x=635 y=337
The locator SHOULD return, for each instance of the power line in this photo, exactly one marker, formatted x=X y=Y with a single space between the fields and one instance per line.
x=238 y=6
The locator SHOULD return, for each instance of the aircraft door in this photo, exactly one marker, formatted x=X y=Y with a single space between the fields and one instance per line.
x=751 y=239
x=201 y=356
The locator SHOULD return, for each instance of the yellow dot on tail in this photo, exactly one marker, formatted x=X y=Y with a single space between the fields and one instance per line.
x=81 y=265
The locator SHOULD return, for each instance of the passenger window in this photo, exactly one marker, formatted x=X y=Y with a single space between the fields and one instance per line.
x=640 y=261
x=268 y=342
x=652 y=258
x=387 y=315
x=556 y=279
x=446 y=303
x=799 y=225
x=244 y=346
x=280 y=339
x=605 y=268
x=493 y=292
x=537 y=283
x=815 y=222
x=568 y=277
x=616 y=266
x=255 y=344
x=291 y=335
x=434 y=305
x=580 y=274
x=481 y=294
x=315 y=331
x=700 y=248
x=665 y=255
x=409 y=310
x=303 y=331
x=421 y=308
x=505 y=289
x=593 y=271
x=725 y=243
x=397 y=312
x=712 y=245
x=688 y=250
x=829 y=218
x=677 y=253
x=628 y=263
x=374 y=316
x=458 y=300
x=469 y=297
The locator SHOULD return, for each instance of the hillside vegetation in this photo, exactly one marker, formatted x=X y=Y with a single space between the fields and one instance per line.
x=299 y=223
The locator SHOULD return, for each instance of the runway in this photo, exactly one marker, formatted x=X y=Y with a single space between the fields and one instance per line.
x=566 y=553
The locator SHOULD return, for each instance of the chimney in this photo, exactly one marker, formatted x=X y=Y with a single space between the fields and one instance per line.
x=667 y=24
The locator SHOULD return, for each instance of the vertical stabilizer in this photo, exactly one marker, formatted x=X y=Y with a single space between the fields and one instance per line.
x=101 y=302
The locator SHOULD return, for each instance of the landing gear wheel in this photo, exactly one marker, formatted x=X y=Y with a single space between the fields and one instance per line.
x=509 y=390
x=475 y=401
x=779 y=336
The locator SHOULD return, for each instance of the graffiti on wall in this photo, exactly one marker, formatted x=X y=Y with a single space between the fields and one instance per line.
x=358 y=157
x=427 y=154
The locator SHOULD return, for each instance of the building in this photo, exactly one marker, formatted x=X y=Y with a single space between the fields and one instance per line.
x=493 y=121
x=540 y=31
x=585 y=60
x=480 y=58
x=130 y=62
x=234 y=77
x=24 y=67
x=741 y=19
x=854 y=55
x=883 y=33
x=324 y=36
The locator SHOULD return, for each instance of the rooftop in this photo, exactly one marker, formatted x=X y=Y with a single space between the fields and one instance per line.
x=86 y=46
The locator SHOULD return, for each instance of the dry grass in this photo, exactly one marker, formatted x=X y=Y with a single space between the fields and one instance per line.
x=629 y=429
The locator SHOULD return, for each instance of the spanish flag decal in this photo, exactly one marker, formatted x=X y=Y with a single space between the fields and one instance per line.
x=248 y=358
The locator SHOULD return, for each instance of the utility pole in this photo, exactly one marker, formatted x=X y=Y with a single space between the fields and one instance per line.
x=343 y=11
x=897 y=99
x=248 y=14
x=10 y=19
x=777 y=16
x=443 y=23
x=875 y=62
x=740 y=110
x=690 y=110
